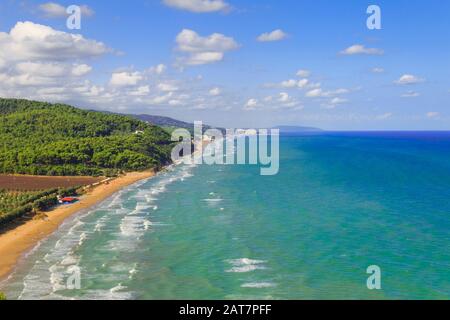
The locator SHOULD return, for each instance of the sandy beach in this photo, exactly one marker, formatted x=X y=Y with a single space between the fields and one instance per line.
x=14 y=243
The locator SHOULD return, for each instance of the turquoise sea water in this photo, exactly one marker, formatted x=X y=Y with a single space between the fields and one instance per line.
x=341 y=202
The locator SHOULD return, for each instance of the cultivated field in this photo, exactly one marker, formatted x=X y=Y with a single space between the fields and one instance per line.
x=35 y=183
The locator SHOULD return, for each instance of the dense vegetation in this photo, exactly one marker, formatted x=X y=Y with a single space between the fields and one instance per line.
x=14 y=205
x=9 y=200
x=54 y=139
x=2 y=296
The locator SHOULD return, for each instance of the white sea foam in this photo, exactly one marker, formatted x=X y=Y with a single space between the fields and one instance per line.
x=132 y=226
x=83 y=237
x=47 y=278
x=70 y=260
x=212 y=202
x=117 y=288
x=258 y=285
x=142 y=207
x=116 y=200
x=244 y=265
x=101 y=223
x=147 y=224
x=245 y=262
x=133 y=271
x=115 y=293
x=244 y=269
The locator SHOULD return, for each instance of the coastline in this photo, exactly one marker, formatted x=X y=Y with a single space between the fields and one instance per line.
x=14 y=243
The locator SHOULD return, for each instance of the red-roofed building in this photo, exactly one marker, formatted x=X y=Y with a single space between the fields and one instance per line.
x=68 y=200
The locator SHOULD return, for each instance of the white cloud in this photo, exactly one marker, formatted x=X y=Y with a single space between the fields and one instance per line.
x=203 y=50
x=303 y=83
x=80 y=70
x=303 y=73
x=292 y=83
x=289 y=83
x=360 y=49
x=157 y=100
x=175 y=102
x=338 y=100
x=410 y=94
x=315 y=93
x=40 y=74
x=158 y=69
x=432 y=115
x=215 y=91
x=198 y=6
x=61 y=81
x=123 y=79
x=28 y=41
x=275 y=35
x=167 y=87
x=251 y=104
x=320 y=93
x=200 y=58
x=333 y=103
x=46 y=69
x=407 y=79
x=284 y=97
x=282 y=100
x=52 y=9
x=141 y=91
x=56 y=10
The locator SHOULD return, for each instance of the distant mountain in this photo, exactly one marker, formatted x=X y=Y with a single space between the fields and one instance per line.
x=163 y=121
x=297 y=129
x=169 y=123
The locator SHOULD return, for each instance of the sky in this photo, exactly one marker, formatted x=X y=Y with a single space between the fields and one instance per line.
x=236 y=64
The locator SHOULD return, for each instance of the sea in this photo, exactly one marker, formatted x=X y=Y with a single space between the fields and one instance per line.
x=341 y=204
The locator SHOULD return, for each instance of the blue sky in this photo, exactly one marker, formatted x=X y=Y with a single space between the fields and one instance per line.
x=205 y=60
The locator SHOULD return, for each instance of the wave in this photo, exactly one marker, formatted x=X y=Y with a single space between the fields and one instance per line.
x=46 y=277
x=245 y=261
x=133 y=271
x=258 y=285
x=244 y=265
x=116 y=293
x=132 y=226
x=212 y=200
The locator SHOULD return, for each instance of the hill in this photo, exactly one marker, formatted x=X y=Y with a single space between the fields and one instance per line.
x=170 y=124
x=40 y=138
x=164 y=122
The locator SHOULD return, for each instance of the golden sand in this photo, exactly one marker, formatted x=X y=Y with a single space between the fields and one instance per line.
x=14 y=243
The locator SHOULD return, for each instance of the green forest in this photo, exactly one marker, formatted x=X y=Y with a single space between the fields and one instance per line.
x=40 y=138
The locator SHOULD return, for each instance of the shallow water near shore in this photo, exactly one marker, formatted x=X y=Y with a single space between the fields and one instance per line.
x=340 y=203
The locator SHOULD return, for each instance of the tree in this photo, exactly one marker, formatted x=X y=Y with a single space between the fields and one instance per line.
x=57 y=139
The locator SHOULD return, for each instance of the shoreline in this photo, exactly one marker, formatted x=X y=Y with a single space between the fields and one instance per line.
x=16 y=242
